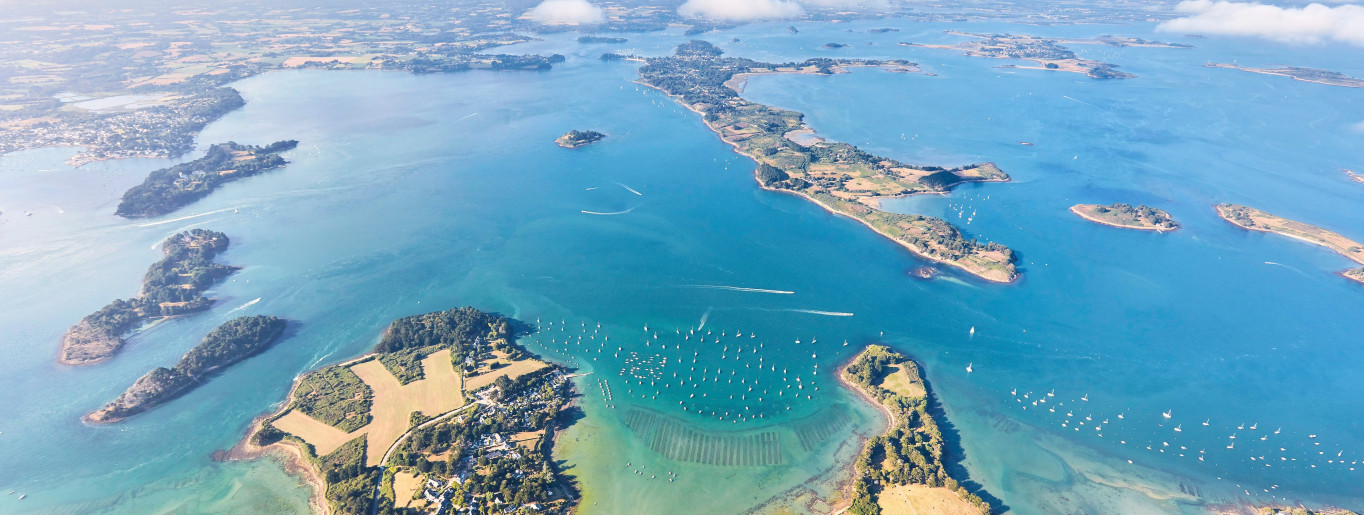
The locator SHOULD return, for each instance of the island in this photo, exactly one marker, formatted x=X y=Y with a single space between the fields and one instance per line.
x=576 y=138
x=901 y=470
x=839 y=177
x=235 y=340
x=1127 y=216
x=1314 y=75
x=1256 y=220
x=600 y=39
x=172 y=286
x=447 y=414
x=1049 y=54
x=168 y=189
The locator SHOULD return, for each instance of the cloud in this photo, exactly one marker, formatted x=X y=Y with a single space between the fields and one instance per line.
x=561 y=12
x=741 y=9
x=1314 y=23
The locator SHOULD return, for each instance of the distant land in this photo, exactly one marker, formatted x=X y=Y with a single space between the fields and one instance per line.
x=1127 y=216
x=235 y=340
x=1256 y=220
x=1050 y=54
x=600 y=39
x=902 y=470
x=576 y=138
x=1326 y=77
x=837 y=176
x=447 y=412
x=173 y=286
x=168 y=189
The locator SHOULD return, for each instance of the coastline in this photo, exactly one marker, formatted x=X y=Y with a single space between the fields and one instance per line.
x=1075 y=209
x=738 y=81
x=906 y=246
x=289 y=452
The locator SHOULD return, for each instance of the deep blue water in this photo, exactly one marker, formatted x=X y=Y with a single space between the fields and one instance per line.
x=411 y=194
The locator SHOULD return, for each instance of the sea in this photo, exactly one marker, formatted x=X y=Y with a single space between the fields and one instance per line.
x=1125 y=372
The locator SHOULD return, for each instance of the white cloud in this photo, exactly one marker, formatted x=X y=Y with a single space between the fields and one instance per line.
x=561 y=12
x=741 y=9
x=1313 y=23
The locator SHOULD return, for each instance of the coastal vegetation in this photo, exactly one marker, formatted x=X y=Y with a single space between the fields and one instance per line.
x=840 y=177
x=1256 y=220
x=1127 y=216
x=168 y=189
x=910 y=452
x=235 y=340
x=404 y=412
x=576 y=138
x=172 y=286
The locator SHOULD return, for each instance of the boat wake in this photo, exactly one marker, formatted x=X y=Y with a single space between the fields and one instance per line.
x=244 y=306
x=737 y=288
x=586 y=212
x=817 y=312
x=164 y=222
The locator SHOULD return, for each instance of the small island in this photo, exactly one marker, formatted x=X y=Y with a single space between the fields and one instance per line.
x=839 y=177
x=1256 y=220
x=168 y=189
x=901 y=470
x=236 y=340
x=1049 y=54
x=448 y=413
x=1127 y=216
x=1314 y=75
x=576 y=138
x=173 y=286
x=600 y=39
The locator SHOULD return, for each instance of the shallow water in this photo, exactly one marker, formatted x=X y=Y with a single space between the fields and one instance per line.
x=410 y=194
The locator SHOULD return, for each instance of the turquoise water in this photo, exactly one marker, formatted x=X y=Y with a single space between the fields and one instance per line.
x=410 y=194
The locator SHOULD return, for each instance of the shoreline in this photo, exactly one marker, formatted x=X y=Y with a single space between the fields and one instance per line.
x=289 y=453
x=1074 y=209
x=739 y=81
x=828 y=209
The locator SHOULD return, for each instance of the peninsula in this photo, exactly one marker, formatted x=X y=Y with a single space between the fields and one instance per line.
x=1326 y=77
x=238 y=339
x=576 y=138
x=448 y=413
x=1127 y=216
x=168 y=189
x=839 y=177
x=1049 y=54
x=1256 y=220
x=173 y=286
x=901 y=470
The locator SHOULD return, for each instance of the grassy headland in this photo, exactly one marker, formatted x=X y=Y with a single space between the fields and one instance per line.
x=839 y=177
x=173 y=286
x=235 y=340
x=437 y=417
x=902 y=469
x=1256 y=220
x=1127 y=216
x=168 y=189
